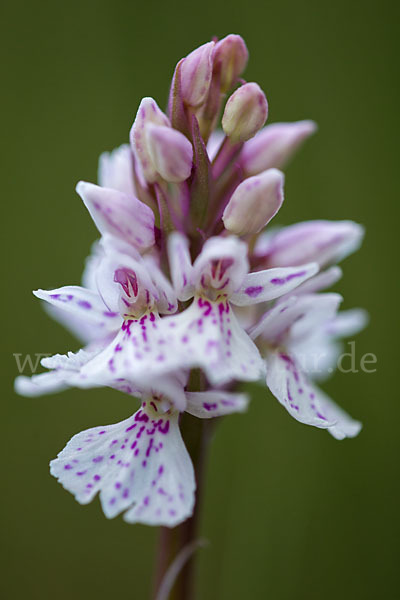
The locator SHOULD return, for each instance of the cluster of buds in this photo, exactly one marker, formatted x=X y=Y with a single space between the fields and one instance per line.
x=185 y=280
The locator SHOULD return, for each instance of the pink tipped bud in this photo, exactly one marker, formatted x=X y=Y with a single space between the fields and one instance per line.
x=274 y=146
x=323 y=242
x=196 y=72
x=245 y=112
x=148 y=112
x=254 y=203
x=170 y=151
x=230 y=59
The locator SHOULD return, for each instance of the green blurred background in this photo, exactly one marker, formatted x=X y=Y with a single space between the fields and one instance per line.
x=289 y=512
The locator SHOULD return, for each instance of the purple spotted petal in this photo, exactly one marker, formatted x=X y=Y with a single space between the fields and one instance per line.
x=140 y=466
x=208 y=335
x=290 y=386
x=262 y=286
x=215 y=403
x=304 y=401
x=83 y=304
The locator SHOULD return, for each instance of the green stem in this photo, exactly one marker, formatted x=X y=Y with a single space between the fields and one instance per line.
x=196 y=434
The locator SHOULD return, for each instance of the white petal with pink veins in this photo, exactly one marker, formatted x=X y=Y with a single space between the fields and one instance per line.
x=123 y=216
x=345 y=426
x=262 y=286
x=83 y=304
x=291 y=387
x=221 y=265
x=208 y=335
x=140 y=466
x=215 y=403
x=321 y=281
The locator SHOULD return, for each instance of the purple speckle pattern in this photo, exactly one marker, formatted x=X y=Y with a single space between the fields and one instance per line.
x=205 y=335
x=292 y=388
x=139 y=466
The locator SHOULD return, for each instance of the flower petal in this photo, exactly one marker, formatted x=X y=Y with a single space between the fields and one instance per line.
x=297 y=318
x=221 y=265
x=44 y=383
x=325 y=242
x=262 y=286
x=208 y=335
x=215 y=403
x=180 y=265
x=121 y=215
x=345 y=426
x=320 y=281
x=83 y=304
x=116 y=170
x=290 y=386
x=274 y=145
x=139 y=465
x=167 y=302
x=347 y=323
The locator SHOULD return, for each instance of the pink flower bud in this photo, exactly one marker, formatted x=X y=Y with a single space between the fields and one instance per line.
x=196 y=72
x=170 y=151
x=323 y=242
x=254 y=202
x=245 y=112
x=230 y=59
x=274 y=146
x=148 y=112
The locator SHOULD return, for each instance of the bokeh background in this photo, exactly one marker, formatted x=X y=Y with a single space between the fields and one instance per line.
x=289 y=512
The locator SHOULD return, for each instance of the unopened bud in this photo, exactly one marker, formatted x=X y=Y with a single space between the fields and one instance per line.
x=148 y=112
x=196 y=73
x=170 y=151
x=254 y=203
x=245 y=112
x=230 y=59
x=274 y=146
x=323 y=242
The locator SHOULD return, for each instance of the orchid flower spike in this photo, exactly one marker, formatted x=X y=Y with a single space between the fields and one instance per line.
x=186 y=295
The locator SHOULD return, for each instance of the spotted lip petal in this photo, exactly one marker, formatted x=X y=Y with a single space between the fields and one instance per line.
x=121 y=215
x=262 y=286
x=206 y=335
x=140 y=466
